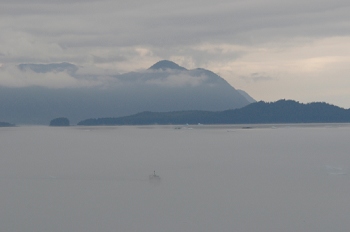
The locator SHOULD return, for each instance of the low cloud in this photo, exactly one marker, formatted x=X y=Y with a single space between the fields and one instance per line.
x=178 y=80
x=12 y=76
x=66 y=75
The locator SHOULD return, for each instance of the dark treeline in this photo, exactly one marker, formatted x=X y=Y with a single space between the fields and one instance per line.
x=62 y=121
x=282 y=111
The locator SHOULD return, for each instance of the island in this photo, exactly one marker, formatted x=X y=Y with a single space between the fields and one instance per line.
x=6 y=124
x=59 y=122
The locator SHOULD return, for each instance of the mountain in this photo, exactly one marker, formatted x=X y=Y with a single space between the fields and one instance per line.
x=165 y=86
x=283 y=111
x=246 y=95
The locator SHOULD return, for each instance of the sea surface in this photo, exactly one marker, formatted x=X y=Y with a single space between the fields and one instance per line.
x=242 y=178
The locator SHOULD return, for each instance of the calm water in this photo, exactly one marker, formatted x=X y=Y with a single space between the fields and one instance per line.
x=273 y=179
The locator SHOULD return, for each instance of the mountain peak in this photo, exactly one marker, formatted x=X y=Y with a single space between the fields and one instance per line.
x=166 y=64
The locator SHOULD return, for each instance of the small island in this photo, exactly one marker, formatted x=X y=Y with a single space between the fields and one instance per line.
x=59 y=122
x=6 y=124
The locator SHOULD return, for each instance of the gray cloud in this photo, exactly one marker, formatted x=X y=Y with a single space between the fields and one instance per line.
x=258 y=77
x=108 y=59
x=168 y=23
x=233 y=38
x=67 y=75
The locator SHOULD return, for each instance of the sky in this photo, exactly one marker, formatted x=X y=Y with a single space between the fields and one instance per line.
x=272 y=49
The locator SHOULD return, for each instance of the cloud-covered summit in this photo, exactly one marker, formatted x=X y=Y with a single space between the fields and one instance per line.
x=164 y=73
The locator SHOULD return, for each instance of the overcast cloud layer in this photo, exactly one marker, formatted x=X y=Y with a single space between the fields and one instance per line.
x=271 y=49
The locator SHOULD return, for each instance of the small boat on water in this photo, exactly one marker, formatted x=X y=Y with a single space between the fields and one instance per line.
x=154 y=177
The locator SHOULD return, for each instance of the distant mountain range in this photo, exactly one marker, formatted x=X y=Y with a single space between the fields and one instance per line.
x=164 y=87
x=282 y=111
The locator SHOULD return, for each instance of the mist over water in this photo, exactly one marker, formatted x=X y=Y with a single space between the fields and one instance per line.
x=224 y=178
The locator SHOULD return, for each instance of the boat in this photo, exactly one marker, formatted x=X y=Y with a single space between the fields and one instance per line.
x=154 y=177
